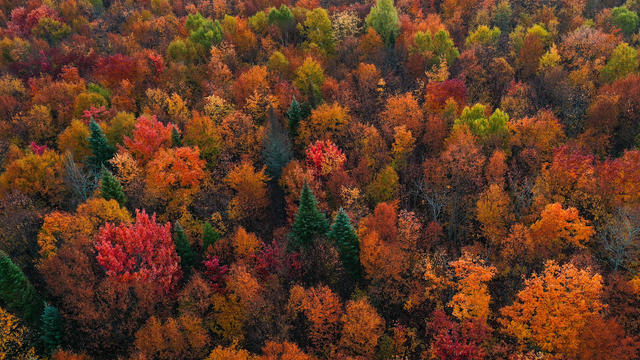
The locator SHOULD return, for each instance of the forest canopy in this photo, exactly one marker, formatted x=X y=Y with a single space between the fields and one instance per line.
x=319 y=179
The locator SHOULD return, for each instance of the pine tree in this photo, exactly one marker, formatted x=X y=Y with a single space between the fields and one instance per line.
x=309 y=220
x=176 y=140
x=100 y=147
x=188 y=257
x=345 y=238
x=209 y=236
x=110 y=187
x=16 y=292
x=295 y=115
x=277 y=149
x=51 y=328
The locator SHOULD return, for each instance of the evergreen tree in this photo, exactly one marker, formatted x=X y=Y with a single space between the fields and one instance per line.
x=51 y=328
x=188 y=257
x=110 y=187
x=309 y=220
x=209 y=236
x=101 y=149
x=176 y=140
x=17 y=295
x=295 y=115
x=277 y=149
x=345 y=238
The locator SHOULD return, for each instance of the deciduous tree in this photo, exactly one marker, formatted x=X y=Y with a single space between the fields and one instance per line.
x=554 y=308
x=471 y=302
x=362 y=327
x=383 y=17
x=250 y=191
x=140 y=251
x=14 y=338
x=558 y=230
x=322 y=309
x=149 y=135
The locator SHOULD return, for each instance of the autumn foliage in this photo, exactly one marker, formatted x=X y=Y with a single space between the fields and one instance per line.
x=139 y=251
x=320 y=179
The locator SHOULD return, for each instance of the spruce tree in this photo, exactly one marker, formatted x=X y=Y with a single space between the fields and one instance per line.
x=309 y=220
x=277 y=149
x=110 y=187
x=17 y=295
x=209 y=236
x=176 y=140
x=100 y=148
x=295 y=115
x=345 y=238
x=51 y=328
x=188 y=257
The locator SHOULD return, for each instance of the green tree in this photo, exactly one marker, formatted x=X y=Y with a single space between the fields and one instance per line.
x=345 y=238
x=277 y=149
x=383 y=18
x=110 y=187
x=51 y=329
x=624 y=60
x=309 y=79
x=492 y=131
x=209 y=236
x=309 y=221
x=184 y=51
x=282 y=17
x=502 y=15
x=436 y=47
x=318 y=30
x=483 y=35
x=295 y=114
x=203 y=31
x=176 y=140
x=624 y=19
x=16 y=292
x=100 y=148
x=384 y=186
x=188 y=257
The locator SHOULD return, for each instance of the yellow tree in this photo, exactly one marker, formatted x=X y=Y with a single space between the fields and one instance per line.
x=245 y=244
x=493 y=211
x=75 y=138
x=362 y=328
x=182 y=338
x=250 y=192
x=381 y=254
x=554 y=308
x=323 y=310
x=471 y=302
x=14 y=339
x=60 y=227
x=283 y=351
x=403 y=144
x=37 y=176
x=174 y=175
x=402 y=110
x=327 y=122
x=558 y=230
x=230 y=353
